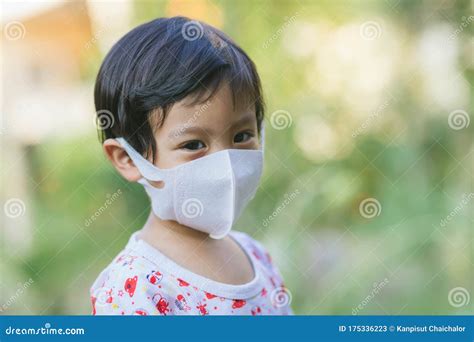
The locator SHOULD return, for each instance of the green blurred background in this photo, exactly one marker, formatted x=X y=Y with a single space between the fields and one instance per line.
x=369 y=154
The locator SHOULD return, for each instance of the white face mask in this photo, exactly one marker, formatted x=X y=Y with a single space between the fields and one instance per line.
x=207 y=194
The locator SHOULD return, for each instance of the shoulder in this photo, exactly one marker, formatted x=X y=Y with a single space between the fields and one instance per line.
x=257 y=251
x=279 y=295
x=132 y=285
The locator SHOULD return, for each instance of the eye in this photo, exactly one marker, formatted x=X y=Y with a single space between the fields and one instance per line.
x=193 y=145
x=242 y=137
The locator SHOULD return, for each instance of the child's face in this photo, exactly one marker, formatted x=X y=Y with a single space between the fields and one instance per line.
x=193 y=131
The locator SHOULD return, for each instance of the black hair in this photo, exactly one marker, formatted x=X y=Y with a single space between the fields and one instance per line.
x=161 y=62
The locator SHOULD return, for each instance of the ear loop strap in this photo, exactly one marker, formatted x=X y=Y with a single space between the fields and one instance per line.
x=262 y=135
x=147 y=169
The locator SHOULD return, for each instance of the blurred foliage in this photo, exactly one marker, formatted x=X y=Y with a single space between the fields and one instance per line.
x=408 y=158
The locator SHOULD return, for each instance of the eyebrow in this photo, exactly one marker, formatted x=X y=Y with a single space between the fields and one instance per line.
x=185 y=129
x=247 y=117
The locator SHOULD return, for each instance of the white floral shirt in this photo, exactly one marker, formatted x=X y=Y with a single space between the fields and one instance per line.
x=143 y=281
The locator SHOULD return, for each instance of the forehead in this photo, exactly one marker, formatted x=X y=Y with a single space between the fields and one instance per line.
x=216 y=113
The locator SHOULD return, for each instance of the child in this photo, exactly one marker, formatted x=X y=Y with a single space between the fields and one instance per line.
x=183 y=111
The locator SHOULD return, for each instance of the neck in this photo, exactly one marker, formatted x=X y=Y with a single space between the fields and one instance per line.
x=156 y=229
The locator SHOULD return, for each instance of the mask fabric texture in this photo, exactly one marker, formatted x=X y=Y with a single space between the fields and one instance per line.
x=207 y=194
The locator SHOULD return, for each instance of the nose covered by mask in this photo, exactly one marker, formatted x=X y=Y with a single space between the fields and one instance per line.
x=208 y=193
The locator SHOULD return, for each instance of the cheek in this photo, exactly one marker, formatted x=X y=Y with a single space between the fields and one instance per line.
x=164 y=158
x=184 y=157
x=167 y=159
x=166 y=154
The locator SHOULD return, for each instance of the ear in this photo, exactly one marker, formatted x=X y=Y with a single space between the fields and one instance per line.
x=120 y=160
x=123 y=163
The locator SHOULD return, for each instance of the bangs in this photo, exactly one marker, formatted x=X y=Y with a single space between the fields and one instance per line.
x=242 y=79
x=218 y=61
x=156 y=65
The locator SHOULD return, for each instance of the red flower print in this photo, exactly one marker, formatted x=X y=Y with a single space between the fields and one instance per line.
x=273 y=282
x=202 y=309
x=210 y=295
x=109 y=296
x=238 y=303
x=126 y=259
x=182 y=282
x=161 y=304
x=154 y=277
x=256 y=311
x=140 y=312
x=181 y=303
x=264 y=292
x=131 y=285
x=256 y=254
x=269 y=258
x=93 y=304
